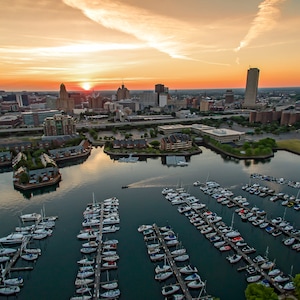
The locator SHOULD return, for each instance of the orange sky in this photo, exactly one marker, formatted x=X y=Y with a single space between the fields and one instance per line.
x=182 y=44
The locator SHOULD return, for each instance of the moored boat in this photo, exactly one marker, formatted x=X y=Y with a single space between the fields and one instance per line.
x=253 y=278
x=189 y=269
x=13 y=281
x=163 y=275
x=111 y=294
x=9 y=290
x=169 y=289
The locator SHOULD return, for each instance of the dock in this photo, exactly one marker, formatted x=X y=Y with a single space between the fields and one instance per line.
x=172 y=263
x=98 y=257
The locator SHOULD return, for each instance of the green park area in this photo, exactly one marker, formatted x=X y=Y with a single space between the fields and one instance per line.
x=291 y=145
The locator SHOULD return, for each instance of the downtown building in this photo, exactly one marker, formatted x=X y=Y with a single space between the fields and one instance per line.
x=59 y=125
x=251 y=88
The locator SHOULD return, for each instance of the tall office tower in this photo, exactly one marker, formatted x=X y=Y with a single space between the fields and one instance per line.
x=159 y=89
x=251 y=88
x=64 y=101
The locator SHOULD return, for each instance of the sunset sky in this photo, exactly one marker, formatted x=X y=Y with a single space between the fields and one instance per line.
x=99 y=44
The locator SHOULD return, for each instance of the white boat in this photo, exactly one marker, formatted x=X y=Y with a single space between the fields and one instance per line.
x=156 y=256
x=182 y=163
x=86 y=268
x=13 y=281
x=169 y=289
x=86 y=261
x=192 y=277
x=183 y=257
x=7 y=251
x=111 y=242
x=88 y=250
x=111 y=258
x=234 y=258
x=289 y=286
x=89 y=235
x=267 y=265
x=189 y=269
x=90 y=222
x=144 y=227
x=111 y=294
x=31 y=217
x=83 y=281
x=29 y=256
x=11 y=239
x=9 y=290
x=4 y=259
x=281 y=278
x=90 y=244
x=254 y=278
x=83 y=297
x=32 y=251
x=85 y=274
x=196 y=284
x=178 y=251
x=289 y=241
x=83 y=290
x=109 y=252
x=110 y=229
x=274 y=272
x=109 y=285
x=110 y=265
x=163 y=275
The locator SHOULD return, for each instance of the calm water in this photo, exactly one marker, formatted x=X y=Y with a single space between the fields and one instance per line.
x=55 y=271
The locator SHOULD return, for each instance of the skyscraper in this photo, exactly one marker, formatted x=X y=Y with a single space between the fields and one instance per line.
x=251 y=88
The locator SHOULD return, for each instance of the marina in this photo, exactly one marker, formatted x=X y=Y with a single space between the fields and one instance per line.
x=55 y=271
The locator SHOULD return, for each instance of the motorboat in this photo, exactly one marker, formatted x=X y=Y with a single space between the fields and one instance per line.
x=234 y=258
x=274 y=272
x=192 y=277
x=83 y=281
x=182 y=257
x=7 y=251
x=169 y=289
x=82 y=297
x=163 y=275
x=33 y=217
x=4 y=258
x=13 y=281
x=90 y=244
x=29 y=256
x=248 y=249
x=196 y=284
x=253 y=278
x=89 y=235
x=110 y=229
x=281 y=278
x=88 y=250
x=110 y=265
x=189 y=269
x=110 y=242
x=9 y=290
x=290 y=286
x=86 y=261
x=32 y=251
x=178 y=251
x=289 y=241
x=267 y=265
x=85 y=274
x=109 y=252
x=225 y=248
x=156 y=256
x=12 y=239
x=110 y=285
x=219 y=244
x=112 y=294
x=111 y=258
x=83 y=290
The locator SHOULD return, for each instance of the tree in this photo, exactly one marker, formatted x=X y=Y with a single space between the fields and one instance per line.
x=296 y=281
x=257 y=291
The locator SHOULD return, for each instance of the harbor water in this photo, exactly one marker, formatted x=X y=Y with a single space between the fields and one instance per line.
x=54 y=272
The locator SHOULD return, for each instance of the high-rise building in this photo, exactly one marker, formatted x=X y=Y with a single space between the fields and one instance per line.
x=229 y=96
x=123 y=93
x=59 y=125
x=65 y=102
x=251 y=88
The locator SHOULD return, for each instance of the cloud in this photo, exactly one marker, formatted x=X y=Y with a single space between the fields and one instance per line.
x=163 y=33
x=264 y=20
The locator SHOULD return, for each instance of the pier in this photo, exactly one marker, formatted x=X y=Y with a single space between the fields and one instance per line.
x=98 y=257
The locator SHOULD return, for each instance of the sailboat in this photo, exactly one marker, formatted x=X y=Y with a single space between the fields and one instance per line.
x=232 y=233
x=109 y=285
x=164 y=268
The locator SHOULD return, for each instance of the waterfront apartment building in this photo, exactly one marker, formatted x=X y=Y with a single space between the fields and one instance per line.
x=59 y=125
x=251 y=88
x=176 y=141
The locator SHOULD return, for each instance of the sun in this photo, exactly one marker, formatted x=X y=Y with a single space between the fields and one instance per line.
x=86 y=86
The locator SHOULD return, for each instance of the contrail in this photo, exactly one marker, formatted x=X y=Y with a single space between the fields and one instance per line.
x=264 y=20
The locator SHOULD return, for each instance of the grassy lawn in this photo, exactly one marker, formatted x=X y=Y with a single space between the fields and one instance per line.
x=293 y=145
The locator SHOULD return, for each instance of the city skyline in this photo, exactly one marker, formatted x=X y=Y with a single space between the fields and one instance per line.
x=192 y=45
